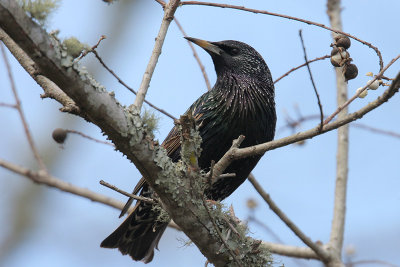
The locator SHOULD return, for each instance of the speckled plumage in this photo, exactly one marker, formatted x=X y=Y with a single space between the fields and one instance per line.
x=241 y=102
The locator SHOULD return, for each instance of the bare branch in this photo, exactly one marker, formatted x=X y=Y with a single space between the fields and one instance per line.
x=346 y=103
x=113 y=187
x=127 y=86
x=321 y=112
x=224 y=162
x=42 y=177
x=318 y=249
x=342 y=155
x=90 y=138
x=21 y=112
x=293 y=124
x=257 y=11
x=262 y=148
x=300 y=66
x=290 y=251
x=7 y=105
x=168 y=16
x=375 y=130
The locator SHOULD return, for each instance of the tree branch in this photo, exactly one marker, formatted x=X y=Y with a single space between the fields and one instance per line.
x=21 y=112
x=169 y=11
x=318 y=249
x=257 y=11
x=321 y=112
x=300 y=66
x=262 y=148
x=42 y=177
x=125 y=128
x=342 y=156
x=290 y=251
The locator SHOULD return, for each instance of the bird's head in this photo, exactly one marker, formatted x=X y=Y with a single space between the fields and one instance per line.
x=234 y=57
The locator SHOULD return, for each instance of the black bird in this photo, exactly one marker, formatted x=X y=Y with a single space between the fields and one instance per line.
x=240 y=103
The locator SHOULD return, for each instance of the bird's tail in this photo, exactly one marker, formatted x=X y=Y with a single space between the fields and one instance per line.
x=140 y=233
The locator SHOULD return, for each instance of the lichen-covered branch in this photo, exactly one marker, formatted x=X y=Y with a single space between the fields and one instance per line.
x=51 y=90
x=173 y=183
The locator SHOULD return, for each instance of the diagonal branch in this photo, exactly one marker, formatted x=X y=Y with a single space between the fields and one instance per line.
x=42 y=177
x=127 y=86
x=319 y=250
x=21 y=113
x=262 y=148
x=166 y=21
x=348 y=101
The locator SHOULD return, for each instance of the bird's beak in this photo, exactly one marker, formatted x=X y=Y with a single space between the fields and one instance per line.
x=208 y=46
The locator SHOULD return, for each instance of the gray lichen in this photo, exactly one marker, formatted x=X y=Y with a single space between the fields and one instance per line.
x=150 y=120
x=39 y=9
x=74 y=47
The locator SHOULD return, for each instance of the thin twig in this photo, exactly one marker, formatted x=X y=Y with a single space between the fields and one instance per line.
x=127 y=86
x=321 y=112
x=21 y=113
x=224 y=162
x=262 y=148
x=113 y=187
x=290 y=251
x=8 y=105
x=42 y=177
x=89 y=137
x=196 y=56
x=319 y=250
x=168 y=16
x=93 y=48
x=341 y=107
x=293 y=124
x=375 y=130
x=257 y=11
x=220 y=234
x=300 y=66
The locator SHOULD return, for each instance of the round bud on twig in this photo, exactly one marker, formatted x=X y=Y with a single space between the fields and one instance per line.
x=363 y=93
x=342 y=41
x=339 y=56
x=374 y=85
x=59 y=135
x=350 y=71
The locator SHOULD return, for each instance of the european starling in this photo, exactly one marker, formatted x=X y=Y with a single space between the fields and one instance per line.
x=240 y=103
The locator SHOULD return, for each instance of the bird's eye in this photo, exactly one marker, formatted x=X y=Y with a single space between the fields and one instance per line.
x=234 y=51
